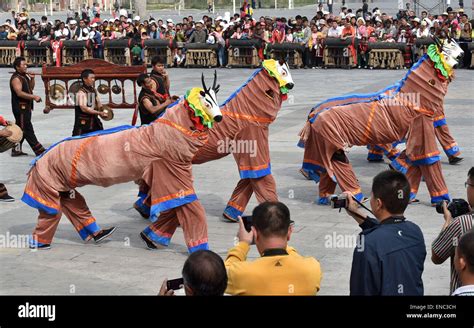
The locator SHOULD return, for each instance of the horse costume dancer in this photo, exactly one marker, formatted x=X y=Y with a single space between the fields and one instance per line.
x=124 y=154
x=248 y=112
x=382 y=118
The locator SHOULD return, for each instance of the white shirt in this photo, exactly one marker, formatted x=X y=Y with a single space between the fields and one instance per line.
x=211 y=39
x=467 y=290
x=334 y=32
x=61 y=33
x=422 y=34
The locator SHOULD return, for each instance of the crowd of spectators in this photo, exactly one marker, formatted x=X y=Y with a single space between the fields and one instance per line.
x=310 y=32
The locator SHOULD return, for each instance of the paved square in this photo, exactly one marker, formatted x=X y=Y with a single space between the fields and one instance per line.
x=123 y=266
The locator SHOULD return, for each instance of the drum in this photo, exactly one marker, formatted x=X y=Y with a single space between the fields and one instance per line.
x=10 y=142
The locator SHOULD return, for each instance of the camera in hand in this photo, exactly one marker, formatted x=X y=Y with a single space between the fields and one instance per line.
x=456 y=207
x=247 y=220
x=175 y=284
x=338 y=201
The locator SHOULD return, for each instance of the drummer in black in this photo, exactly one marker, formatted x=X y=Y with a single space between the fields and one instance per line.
x=87 y=106
x=150 y=105
x=22 y=97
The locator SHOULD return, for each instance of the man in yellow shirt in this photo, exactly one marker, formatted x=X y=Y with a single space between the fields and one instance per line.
x=280 y=270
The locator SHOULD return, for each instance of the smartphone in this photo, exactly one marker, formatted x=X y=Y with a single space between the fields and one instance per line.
x=175 y=284
x=247 y=220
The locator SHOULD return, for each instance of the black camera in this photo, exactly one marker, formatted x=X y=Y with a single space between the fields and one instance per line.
x=247 y=220
x=338 y=201
x=175 y=284
x=456 y=207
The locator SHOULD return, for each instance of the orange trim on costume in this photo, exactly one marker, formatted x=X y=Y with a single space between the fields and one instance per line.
x=253 y=168
x=161 y=233
x=451 y=145
x=87 y=222
x=41 y=200
x=198 y=242
x=425 y=111
x=182 y=129
x=416 y=158
x=171 y=196
x=41 y=240
x=415 y=191
x=377 y=152
x=75 y=160
x=437 y=118
x=368 y=127
x=402 y=163
x=355 y=192
x=440 y=193
x=247 y=117
x=234 y=205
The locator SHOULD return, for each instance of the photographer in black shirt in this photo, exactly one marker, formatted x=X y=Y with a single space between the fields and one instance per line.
x=390 y=256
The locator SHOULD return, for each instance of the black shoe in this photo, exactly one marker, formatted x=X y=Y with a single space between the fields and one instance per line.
x=228 y=218
x=43 y=246
x=142 y=213
x=18 y=153
x=377 y=160
x=454 y=160
x=148 y=243
x=305 y=174
x=104 y=234
x=7 y=199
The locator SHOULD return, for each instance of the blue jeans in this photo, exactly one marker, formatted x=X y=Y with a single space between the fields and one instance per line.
x=221 y=55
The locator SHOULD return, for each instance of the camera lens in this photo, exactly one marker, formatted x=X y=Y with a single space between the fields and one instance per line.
x=439 y=207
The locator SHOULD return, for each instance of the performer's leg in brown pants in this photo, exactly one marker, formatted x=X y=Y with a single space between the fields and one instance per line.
x=434 y=181
x=447 y=141
x=264 y=189
x=327 y=187
x=141 y=203
x=75 y=208
x=191 y=217
x=345 y=177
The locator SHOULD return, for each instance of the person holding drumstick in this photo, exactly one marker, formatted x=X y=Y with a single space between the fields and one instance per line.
x=21 y=86
x=4 y=196
x=87 y=109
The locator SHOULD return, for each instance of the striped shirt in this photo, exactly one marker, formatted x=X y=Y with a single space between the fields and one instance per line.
x=445 y=244
x=467 y=290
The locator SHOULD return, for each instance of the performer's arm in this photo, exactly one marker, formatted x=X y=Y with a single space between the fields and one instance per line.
x=82 y=98
x=17 y=87
x=99 y=103
x=166 y=81
x=156 y=109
